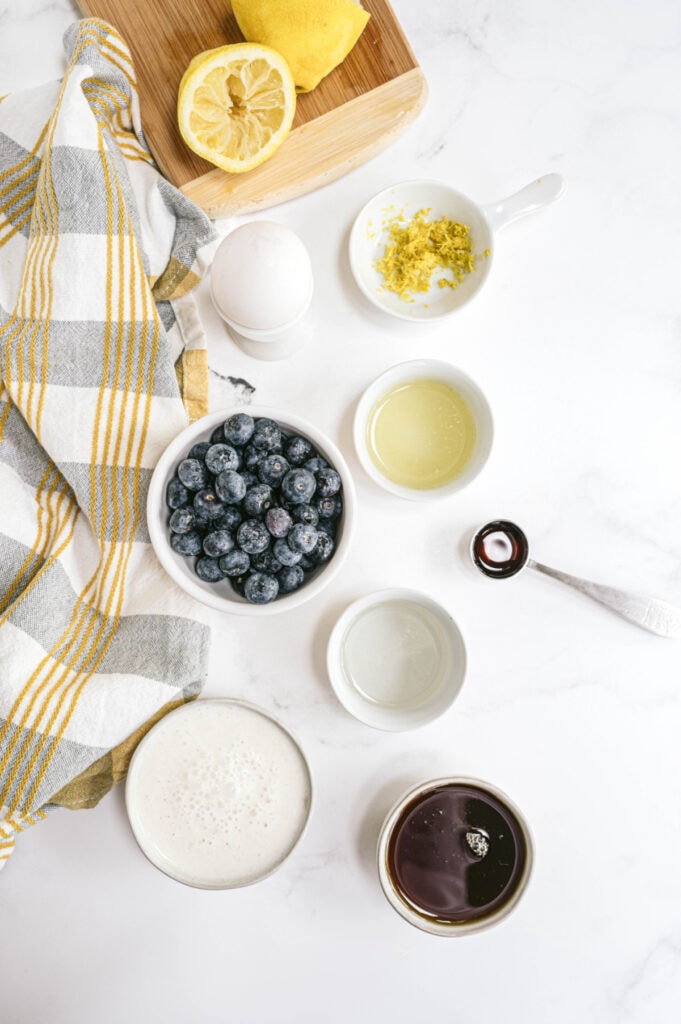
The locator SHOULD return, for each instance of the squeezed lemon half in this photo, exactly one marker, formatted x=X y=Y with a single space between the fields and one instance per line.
x=314 y=36
x=236 y=104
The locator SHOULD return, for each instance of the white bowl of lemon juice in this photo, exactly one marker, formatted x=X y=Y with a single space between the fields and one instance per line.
x=423 y=429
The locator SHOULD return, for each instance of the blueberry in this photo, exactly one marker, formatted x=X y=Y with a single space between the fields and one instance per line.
x=257 y=500
x=182 y=520
x=328 y=526
x=323 y=549
x=235 y=563
x=298 y=449
x=193 y=474
x=203 y=523
x=302 y=538
x=298 y=486
x=249 y=478
x=266 y=561
x=186 y=543
x=267 y=435
x=206 y=504
x=220 y=457
x=199 y=451
x=285 y=554
x=229 y=520
x=315 y=464
x=252 y=536
x=177 y=494
x=272 y=469
x=218 y=435
x=261 y=588
x=278 y=521
x=208 y=570
x=290 y=578
x=238 y=429
x=307 y=514
x=328 y=482
x=306 y=563
x=250 y=457
x=330 y=508
x=218 y=542
x=230 y=486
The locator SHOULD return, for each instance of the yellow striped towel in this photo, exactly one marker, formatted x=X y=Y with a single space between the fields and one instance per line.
x=97 y=256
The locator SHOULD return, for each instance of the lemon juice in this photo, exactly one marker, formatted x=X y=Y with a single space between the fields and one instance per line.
x=421 y=434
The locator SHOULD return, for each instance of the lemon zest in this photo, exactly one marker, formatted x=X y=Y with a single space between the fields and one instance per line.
x=417 y=249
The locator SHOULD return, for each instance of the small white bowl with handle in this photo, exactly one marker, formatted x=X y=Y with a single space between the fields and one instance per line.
x=370 y=231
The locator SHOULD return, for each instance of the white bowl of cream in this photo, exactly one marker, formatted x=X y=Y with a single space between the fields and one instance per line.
x=218 y=794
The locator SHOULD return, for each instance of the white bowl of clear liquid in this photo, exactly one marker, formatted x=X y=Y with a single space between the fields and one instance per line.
x=396 y=659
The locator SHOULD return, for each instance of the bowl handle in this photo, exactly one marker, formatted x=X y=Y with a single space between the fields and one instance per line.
x=532 y=197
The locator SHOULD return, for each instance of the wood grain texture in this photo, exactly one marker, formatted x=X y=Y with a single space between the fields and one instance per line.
x=352 y=114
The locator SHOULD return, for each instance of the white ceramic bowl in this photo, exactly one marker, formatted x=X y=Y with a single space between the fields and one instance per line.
x=404 y=907
x=429 y=369
x=192 y=797
x=396 y=659
x=370 y=233
x=222 y=595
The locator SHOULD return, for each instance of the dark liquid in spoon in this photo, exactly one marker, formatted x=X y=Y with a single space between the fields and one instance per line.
x=435 y=868
x=500 y=549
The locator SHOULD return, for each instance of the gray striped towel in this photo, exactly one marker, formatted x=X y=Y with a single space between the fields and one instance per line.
x=100 y=341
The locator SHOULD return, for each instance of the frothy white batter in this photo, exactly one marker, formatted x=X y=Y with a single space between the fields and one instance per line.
x=218 y=794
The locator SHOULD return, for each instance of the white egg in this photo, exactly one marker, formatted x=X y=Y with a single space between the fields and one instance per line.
x=261 y=277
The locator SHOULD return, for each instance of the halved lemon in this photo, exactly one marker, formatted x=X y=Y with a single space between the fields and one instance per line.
x=236 y=104
x=314 y=36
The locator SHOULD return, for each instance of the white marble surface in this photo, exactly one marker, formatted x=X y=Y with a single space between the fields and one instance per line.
x=575 y=713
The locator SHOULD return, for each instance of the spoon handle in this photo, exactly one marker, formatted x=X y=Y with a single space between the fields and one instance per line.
x=532 y=197
x=648 y=612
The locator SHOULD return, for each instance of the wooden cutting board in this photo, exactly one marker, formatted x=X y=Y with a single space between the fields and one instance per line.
x=352 y=115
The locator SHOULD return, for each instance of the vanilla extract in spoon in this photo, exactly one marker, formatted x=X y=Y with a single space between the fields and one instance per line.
x=500 y=549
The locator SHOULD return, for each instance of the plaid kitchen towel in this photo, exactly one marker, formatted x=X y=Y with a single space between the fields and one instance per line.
x=97 y=256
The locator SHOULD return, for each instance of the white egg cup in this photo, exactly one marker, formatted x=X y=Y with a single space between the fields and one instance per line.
x=261 y=285
x=274 y=343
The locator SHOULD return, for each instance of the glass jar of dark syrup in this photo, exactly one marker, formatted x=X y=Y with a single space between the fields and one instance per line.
x=454 y=856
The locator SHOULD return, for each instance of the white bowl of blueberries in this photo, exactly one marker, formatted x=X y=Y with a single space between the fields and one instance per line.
x=250 y=510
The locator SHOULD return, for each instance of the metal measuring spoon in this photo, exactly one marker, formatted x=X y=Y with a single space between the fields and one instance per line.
x=500 y=549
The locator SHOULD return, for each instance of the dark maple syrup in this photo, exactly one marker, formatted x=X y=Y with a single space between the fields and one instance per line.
x=457 y=853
